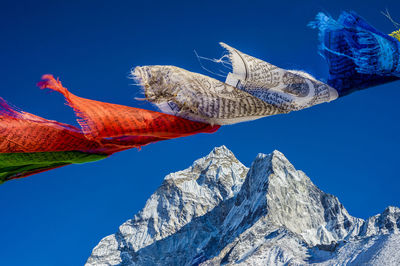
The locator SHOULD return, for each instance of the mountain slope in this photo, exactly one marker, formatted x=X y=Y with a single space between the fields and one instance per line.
x=220 y=212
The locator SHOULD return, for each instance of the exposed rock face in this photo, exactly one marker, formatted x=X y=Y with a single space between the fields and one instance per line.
x=220 y=212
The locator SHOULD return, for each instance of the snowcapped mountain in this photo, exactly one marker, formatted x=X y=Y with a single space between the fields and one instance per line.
x=220 y=212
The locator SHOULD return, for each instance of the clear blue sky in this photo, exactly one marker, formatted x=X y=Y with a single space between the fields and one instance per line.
x=349 y=148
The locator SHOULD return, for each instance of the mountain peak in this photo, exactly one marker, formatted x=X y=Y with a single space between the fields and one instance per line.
x=220 y=152
x=218 y=211
x=221 y=149
x=386 y=222
x=392 y=209
x=275 y=189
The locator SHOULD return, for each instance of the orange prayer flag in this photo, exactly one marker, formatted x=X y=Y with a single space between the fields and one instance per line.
x=25 y=132
x=106 y=120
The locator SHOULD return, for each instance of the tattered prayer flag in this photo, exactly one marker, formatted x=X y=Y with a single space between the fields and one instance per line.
x=18 y=165
x=291 y=90
x=30 y=144
x=200 y=98
x=253 y=90
x=101 y=120
x=359 y=56
x=25 y=132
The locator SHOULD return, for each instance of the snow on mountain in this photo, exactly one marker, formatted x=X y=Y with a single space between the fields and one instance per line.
x=220 y=212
